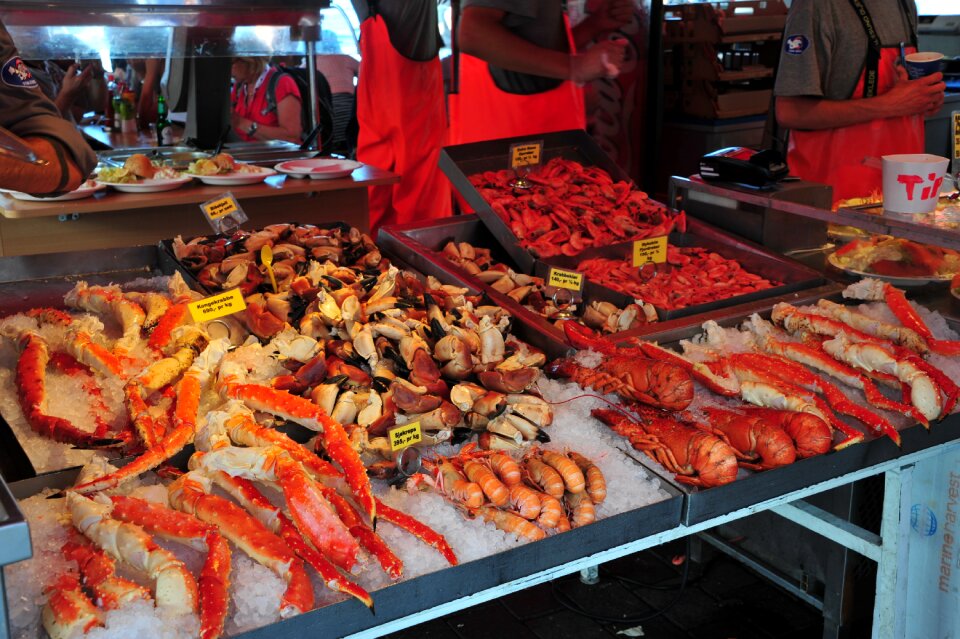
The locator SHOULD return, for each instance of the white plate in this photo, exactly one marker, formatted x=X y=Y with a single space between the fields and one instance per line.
x=87 y=189
x=236 y=178
x=150 y=186
x=319 y=168
x=903 y=282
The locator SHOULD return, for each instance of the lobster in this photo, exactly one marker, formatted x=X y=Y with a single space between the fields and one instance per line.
x=760 y=443
x=629 y=373
x=695 y=456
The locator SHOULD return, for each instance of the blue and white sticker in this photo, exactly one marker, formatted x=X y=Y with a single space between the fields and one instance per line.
x=796 y=44
x=923 y=520
x=15 y=73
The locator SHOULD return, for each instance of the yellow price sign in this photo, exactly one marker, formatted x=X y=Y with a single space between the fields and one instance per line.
x=956 y=140
x=570 y=280
x=220 y=305
x=221 y=207
x=650 y=250
x=406 y=435
x=526 y=154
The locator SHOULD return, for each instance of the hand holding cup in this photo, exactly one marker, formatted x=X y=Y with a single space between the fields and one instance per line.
x=923 y=63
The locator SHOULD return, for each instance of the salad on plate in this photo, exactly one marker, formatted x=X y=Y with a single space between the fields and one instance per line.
x=220 y=164
x=137 y=167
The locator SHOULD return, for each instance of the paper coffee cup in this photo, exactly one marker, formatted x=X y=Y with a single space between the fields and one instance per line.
x=912 y=182
x=923 y=63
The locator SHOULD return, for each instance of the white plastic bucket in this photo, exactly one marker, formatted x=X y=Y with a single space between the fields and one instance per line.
x=912 y=182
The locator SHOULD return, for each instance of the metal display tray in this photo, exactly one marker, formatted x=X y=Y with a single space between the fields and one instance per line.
x=422 y=243
x=704 y=504
x=753 y=257
x=411 y=596
x=530 y=332
x=460 y=161
x=14 y=533
x=32 y=281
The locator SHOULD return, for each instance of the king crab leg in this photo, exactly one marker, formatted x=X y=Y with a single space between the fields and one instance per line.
x=68 y=610
x=311 y=512
x=796 y=321
x=812 y=354
x=99 y=574
x=247 y=494
x=184 y=422
x=173 y=584
x=107 y=301
x=191 y=493
x=306 y=413
x=924 y=393
x=214 y=576
x=878 y=291
x=31 y=384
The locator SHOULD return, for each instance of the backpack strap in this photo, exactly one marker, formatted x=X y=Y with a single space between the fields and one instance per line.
x=271 y=95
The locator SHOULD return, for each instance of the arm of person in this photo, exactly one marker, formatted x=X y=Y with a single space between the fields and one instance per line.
x=147 y=103
x=603 y=16
x=288 y=128
x=907 y=97
x=73 y=84
x=482 y=34
x=26 y=112
x=57 y=172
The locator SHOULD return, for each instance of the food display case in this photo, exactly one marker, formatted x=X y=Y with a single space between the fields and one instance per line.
x=681 y=510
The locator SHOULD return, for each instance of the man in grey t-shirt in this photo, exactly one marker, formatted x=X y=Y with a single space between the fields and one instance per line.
x=843 y=94
x=525 y=42
x=520 y=69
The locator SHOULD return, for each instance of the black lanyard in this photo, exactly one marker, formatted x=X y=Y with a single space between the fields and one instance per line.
x=871 y=71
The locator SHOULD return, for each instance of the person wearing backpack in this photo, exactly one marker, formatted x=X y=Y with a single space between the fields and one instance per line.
x=300 y=75
x=253 y=117
x=400 y=108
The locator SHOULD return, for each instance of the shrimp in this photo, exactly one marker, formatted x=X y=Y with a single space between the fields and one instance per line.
x=493 y=488
x=525 y=501
x=596 y=484
x=544 y=477
x=572 y=477
x=506 y=468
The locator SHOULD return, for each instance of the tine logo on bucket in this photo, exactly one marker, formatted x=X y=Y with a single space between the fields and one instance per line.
x=796 y=44
x=15 y=73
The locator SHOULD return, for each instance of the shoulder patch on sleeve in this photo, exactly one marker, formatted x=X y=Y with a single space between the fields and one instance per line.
x=796 y=44
x=15 y=73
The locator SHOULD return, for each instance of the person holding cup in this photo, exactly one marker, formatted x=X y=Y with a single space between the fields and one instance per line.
x=843 y=92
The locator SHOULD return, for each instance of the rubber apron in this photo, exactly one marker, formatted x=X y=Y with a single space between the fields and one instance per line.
x=402 y=122
x=483 y=111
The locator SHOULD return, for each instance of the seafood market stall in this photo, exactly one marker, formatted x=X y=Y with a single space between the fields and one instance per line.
x=306 y=430
x=675 y=512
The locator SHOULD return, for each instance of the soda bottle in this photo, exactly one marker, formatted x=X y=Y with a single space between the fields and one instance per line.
x=163 y=127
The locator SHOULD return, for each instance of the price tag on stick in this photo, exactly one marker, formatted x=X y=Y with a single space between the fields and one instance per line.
x=406 y=435
x=649 y=252
x=224 y=213
x=955 y=156
x=570 y=280
x=525 y=156
x=219 y=305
